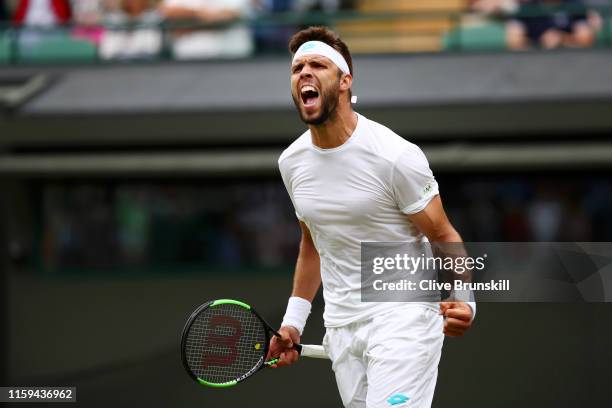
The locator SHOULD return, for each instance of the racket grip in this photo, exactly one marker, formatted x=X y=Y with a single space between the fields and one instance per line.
x=310 y=350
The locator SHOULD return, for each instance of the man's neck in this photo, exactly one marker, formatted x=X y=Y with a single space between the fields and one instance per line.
x=336 y=130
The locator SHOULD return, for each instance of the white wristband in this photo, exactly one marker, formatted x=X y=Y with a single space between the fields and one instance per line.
x=473 y=306
x=297 y=312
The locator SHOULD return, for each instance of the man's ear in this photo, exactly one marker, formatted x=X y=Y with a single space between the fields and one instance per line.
x=346 y=81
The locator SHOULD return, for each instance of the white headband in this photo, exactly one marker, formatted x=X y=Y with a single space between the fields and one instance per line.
x=320 y=48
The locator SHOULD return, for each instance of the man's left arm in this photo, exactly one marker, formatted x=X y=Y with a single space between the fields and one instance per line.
x=434 y=224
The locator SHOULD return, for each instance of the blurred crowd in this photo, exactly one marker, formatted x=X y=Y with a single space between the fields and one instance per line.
x=547 y=24
x=130 y=29
x=251 y=224
x=213 y=224
x=199 y=29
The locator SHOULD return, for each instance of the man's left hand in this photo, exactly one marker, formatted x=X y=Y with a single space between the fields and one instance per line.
x=458 y=318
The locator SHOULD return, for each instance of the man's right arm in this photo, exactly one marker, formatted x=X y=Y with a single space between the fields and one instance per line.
x=306 y=282
x=307 y=277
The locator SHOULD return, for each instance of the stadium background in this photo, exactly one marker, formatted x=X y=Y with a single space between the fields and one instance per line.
x=132 y=191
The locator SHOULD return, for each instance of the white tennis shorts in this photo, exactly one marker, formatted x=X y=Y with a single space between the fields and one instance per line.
x=390 y=360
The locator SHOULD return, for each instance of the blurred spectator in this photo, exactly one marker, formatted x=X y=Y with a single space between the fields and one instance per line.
x=493 y=7
x=133 y=223
x=596 y=20
x=131 y=31
x=88 y=20
x=231 y=41
x=577 y=224
x=328 y=6
x=42 y=13
x=564 y=27
x=545 y=214
x=40 y=20
x=513 y=196
x=597 y=204
x=321 y=9
x=272 y=37
x=3 y=11
x=515 y=225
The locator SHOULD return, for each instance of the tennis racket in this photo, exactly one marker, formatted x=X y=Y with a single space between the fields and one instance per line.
x=226 y=341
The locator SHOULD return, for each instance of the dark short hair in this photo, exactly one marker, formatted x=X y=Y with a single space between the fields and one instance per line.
x=322 y=34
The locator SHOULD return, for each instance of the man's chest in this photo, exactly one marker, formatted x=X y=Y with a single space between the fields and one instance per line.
x=326 y=196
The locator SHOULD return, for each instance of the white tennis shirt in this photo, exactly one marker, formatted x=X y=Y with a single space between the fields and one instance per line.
x=359 y=191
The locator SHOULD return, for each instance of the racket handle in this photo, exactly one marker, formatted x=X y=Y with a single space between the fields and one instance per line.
x=311 y=350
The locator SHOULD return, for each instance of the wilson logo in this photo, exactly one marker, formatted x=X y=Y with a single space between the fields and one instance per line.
x=221 y=348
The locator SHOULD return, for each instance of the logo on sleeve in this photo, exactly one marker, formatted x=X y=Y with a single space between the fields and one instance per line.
x=397 y=399
x=427 y=188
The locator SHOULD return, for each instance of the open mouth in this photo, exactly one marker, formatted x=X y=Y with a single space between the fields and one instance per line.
x=310 y=95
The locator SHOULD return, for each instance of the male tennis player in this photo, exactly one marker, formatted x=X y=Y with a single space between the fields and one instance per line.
x=351 y=180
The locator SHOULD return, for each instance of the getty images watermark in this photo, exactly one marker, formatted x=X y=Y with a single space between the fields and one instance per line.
x=432 y=264
x=493 y=271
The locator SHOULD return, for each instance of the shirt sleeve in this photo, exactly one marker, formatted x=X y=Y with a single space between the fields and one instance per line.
x=285 y=178
x=473 y=306
x=412 y=181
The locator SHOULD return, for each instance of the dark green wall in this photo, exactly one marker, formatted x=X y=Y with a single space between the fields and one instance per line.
x=117 y=341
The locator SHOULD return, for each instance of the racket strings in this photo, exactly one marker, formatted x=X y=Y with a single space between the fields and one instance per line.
x=224 y=343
